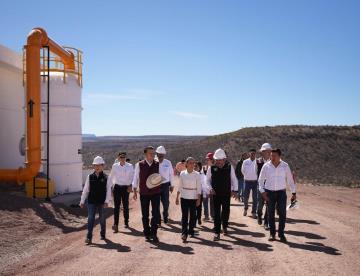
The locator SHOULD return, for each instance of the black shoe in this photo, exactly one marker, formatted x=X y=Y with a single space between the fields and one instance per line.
x=266 y=227
x=184 y=238
x=155 y=239
x=103 y=238
x=147 y=238
x=245 y=213
x=199 y=222
x=225 y=231
x=126 y=225
x=166 y=220
x=272 y=238
x=88 y=241
x=253 y=215
x=115 y=228
x=283 y=239
x=192 y=235
x=259 y=220
x=217 y=237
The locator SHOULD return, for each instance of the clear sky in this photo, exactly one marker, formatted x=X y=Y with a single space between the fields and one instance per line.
x=204 y=67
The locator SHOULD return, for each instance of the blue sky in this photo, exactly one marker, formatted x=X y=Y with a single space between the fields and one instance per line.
x=204 y=67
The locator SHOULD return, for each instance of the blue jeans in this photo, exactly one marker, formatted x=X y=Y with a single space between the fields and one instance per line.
x=253 y=187
x=260 y=207
x=164 y=196
x=277 y=200
x=240 y=187
x=92 y=208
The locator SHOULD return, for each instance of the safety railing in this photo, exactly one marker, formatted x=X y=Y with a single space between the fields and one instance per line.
x=56 y=65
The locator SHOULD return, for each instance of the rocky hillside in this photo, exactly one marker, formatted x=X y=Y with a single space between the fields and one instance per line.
x=318 y=154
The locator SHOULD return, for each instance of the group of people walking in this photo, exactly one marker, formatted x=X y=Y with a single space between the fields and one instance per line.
x=209 y=187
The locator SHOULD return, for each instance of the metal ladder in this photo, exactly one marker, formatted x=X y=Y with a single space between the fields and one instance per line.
x=46 y=68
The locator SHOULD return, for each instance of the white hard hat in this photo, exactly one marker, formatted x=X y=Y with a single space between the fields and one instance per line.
x=219 y=154
x=98 y=160
x=161 y=150
x=266 y=146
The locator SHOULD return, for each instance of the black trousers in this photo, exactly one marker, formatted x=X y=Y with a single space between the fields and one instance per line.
x=154 y=200
x=277 y=198
x=260 y=207
x=221 y=211
x=188 y=207
x=121 y=195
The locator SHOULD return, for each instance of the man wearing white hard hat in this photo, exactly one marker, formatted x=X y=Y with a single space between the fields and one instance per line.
x=265 y=151
x=223 y=184
x=97 y=192
x=167 y=172
x=148 y=180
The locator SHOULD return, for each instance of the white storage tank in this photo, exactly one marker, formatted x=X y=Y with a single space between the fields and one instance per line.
x=12 y=116
x=65 y=132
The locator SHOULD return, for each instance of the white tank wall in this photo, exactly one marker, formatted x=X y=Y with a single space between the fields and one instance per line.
x=12 y=117
x=65 y=123
x=65 y=132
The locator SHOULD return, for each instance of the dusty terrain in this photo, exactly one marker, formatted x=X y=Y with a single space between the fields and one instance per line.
x=47 y=239
x=318 y=154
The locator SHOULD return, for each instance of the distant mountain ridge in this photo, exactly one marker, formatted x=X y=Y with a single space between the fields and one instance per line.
x=318 y=154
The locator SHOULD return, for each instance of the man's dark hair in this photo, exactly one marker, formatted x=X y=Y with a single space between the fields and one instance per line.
x=252 y=150
x=278 y=151
x=148 y=148
x=128 y=160
x=123 y=153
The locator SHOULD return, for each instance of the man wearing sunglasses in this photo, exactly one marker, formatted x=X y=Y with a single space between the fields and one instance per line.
x=121 y=177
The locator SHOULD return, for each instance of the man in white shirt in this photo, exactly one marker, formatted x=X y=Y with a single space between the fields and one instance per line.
x=189 y=190
x=274 y=177
x=265 y=151
x=167 y=172
x=249 y=170
x=223 y=184
x=208 y=199
x=121 y=177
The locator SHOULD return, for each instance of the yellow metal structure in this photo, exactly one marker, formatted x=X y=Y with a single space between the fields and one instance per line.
x=40 y=191
x=36 y=40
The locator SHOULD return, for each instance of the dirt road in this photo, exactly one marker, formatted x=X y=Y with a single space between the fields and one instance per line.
x=323 y=239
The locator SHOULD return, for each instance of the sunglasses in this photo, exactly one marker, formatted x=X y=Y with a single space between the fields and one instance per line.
x=122 y=157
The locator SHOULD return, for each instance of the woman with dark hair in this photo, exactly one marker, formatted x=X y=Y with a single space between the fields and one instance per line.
x=189 y=190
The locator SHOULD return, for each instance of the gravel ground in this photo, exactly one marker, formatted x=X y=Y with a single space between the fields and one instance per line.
x=39 y=238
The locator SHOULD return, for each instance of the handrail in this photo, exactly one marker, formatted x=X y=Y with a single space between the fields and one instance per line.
x=36 y=39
